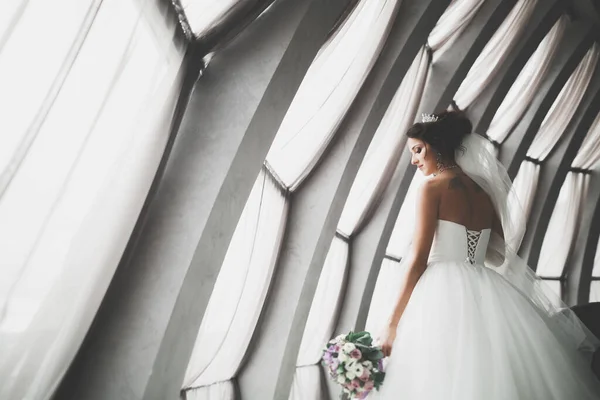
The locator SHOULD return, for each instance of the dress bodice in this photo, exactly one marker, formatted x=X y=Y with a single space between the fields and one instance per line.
x=454 y=242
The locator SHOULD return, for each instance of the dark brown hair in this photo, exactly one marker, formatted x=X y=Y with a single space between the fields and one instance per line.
x=445 y=135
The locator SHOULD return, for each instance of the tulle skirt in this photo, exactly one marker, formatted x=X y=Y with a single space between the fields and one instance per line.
x=468 y=334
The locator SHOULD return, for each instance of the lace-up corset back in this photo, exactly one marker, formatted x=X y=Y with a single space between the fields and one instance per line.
x=454 y=242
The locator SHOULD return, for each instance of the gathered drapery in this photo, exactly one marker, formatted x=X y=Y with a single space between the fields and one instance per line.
x=484 y=69
x=307 y=384
x=566 y=215
x=554 y=125
x=452 y=23
x=240 y=290
x=385 y=149
x=405 y=223
x=321 y=321
x=85 y=136
x=595 y=284
x=562 y=227
x=525 y=185
x=564 y=107
x=524 y=88
x=328 y=89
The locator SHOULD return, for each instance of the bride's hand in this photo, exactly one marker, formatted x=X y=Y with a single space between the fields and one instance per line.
x=388 y=341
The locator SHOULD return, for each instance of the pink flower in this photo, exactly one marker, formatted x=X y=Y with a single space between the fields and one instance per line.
x=365 y=375
x=355 y=384
x=356 y=354
x=369 y=385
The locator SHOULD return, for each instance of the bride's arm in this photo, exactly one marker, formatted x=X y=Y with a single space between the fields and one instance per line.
x=426 y=221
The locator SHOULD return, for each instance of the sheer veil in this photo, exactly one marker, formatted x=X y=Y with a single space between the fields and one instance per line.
x=478 y=161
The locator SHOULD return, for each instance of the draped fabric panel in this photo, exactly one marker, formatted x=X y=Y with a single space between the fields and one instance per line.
x=382 y=156
x=385 y=295
x=589 y=153
x=215 y=22
x=595 y=284
x=524 y=88
x=525 y=185
x=89 y=121
x=328 y=90
x=321 y=322
x=495 y=52
x=218 y=391
x=596 y=270
x=553 y=127
x=452 y=23
x=204 y=15
x=325 y=305
x=308 y=384
x=564 y=107
x=595 y=291
x=28 y=90
x=405 y=223
x=240 y=289
x=562 y=227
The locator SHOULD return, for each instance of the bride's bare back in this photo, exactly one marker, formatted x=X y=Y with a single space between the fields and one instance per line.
x=464 y=202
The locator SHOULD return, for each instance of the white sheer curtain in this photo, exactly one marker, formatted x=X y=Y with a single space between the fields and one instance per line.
x=328 y=89
x=557 y=245
x=554 y=125
x=204 y=15
x=595 y=291
x=308 y=384
x=240 y=289
x=495 y=52
x=452 y=23
x=525 y=185
x=91 y=106
x=595 y=284
x=218 y=391
x=387 y=290
x=564 y=107
x=404 y=227
x=524 y=88
x=562 y=227
x=589 y=152
x=321 y=320
x=385 y=149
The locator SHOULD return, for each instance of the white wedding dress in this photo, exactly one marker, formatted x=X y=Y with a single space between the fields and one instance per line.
x=480 y=325
x=468 y=334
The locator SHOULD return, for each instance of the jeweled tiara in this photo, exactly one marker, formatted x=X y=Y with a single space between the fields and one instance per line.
x=428 y=117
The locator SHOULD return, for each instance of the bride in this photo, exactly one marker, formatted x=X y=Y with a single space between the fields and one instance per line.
x=462 y=330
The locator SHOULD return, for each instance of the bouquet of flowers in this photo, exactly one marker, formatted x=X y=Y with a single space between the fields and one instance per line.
x=354 y=363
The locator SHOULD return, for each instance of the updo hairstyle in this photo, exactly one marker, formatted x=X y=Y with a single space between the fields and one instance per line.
x=445 y=135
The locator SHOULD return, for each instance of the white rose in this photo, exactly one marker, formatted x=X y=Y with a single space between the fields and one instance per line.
x=350 y=375
x=343 y=357
x=368 y=364
x=341 y=379
x=348 y=347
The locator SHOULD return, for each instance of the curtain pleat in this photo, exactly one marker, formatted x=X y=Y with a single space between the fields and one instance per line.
x=485 y=67
x=328 y=90
x=562 y=227
x=562 y=110
x=452 y=23
x=525 y=87
x=388 y=143
x=94 y=107
x=241 y=287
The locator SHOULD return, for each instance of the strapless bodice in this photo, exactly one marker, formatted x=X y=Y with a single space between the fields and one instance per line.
x=454 y=242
